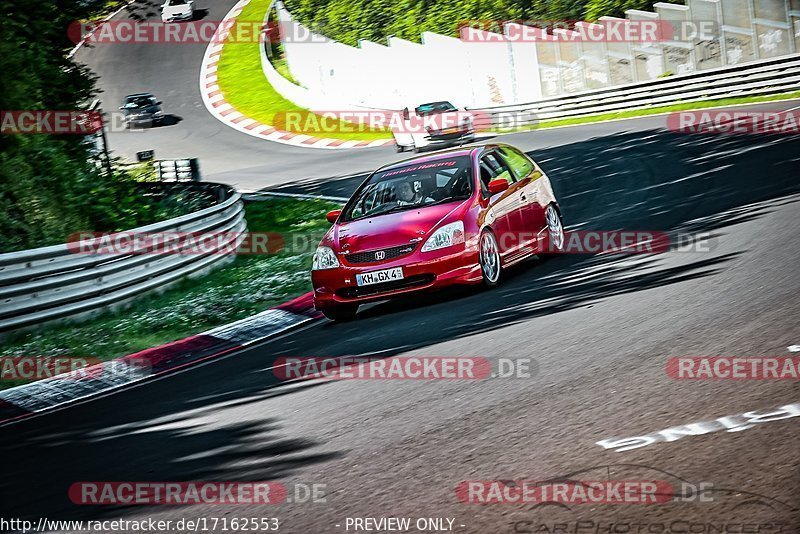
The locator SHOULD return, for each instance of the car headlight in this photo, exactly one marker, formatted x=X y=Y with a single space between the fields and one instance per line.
x=324 y=258
x=446 y=236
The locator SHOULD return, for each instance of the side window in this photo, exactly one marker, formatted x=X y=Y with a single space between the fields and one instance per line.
x=518 y=162
x=493 y=168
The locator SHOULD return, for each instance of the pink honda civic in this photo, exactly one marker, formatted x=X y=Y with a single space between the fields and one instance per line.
x=458 y=216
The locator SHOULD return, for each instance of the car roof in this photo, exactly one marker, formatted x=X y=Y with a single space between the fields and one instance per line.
x=441 y=154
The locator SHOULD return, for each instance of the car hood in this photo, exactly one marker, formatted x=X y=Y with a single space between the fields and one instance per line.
x=392 y=229
x=171 y=11
x=447 y=119
x=149 y=110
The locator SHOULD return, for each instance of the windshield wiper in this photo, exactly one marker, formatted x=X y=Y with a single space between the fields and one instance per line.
x=443 y=200
x=380 y=211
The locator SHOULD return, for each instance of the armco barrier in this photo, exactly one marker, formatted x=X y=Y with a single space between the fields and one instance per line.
x=766 y=77
x=48 y=283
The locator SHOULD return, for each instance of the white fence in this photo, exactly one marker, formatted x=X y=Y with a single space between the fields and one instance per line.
x=484 y=69
x=767 y=77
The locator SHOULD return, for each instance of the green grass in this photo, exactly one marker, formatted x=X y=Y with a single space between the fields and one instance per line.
x=282 y=67
x=245 y=87
x=653 y=111
x=252 y=283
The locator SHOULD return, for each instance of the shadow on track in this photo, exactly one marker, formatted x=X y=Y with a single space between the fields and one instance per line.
x=172 y=440
x=647 y=181
x=652 y=180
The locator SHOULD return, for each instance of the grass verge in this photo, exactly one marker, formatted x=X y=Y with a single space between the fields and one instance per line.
x=247 y=286
x=686 y=106
x=245 y=87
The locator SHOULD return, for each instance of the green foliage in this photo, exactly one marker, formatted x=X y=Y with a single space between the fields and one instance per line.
x=50 y=186
x=249 y=285
x=348 y=21
x=615 y=8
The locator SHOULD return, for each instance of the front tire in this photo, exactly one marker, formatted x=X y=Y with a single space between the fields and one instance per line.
x=341 y=313
x=489 y=259
x=555 y=229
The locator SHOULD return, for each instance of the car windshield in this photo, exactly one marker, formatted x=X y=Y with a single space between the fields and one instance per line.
x=413 y=186
x=177 y=2
x=139 y=101
x=435 y=107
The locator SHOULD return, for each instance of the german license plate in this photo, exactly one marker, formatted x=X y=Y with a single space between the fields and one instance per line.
x=377 y=277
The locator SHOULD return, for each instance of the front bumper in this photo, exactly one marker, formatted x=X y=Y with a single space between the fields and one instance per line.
x=441 y=138
x=421 y=271
x=142 y=120
x=181 y=17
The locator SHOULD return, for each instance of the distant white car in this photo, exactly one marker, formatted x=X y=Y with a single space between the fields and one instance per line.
x=177 y=10
x=434 y=124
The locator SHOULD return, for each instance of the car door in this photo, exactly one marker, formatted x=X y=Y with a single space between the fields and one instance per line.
x=504 y=207
x=532 y=201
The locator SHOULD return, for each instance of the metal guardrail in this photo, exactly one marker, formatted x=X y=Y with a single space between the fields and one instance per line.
x=774 y=76
x=48 y=283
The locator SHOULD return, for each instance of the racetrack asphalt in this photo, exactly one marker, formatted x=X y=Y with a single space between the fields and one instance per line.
x=600 y=329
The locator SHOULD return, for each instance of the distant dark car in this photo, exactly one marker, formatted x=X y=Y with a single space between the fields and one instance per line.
x=141 y=109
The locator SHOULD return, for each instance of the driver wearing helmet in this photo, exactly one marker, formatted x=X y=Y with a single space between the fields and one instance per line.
x=406 y=195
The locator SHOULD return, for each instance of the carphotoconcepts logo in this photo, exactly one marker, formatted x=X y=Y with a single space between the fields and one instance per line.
x=180 y=243
x=601 y=31
x=734 y=368
x=53 y=122
x=735 y=122
x=402 y=368
x=565 y=492
x=176 y=493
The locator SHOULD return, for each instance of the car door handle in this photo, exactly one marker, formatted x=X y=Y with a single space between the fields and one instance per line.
x=523 y=197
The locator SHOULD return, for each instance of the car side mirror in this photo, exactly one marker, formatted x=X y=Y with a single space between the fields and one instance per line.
x=333 y=216
x=122 y=107
x=497 y=186
x=158 y=102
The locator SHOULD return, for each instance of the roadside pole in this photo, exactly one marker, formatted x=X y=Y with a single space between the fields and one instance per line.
x=96 y=107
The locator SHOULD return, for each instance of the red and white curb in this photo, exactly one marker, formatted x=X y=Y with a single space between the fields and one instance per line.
x=49 y=394
x=216 y=104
